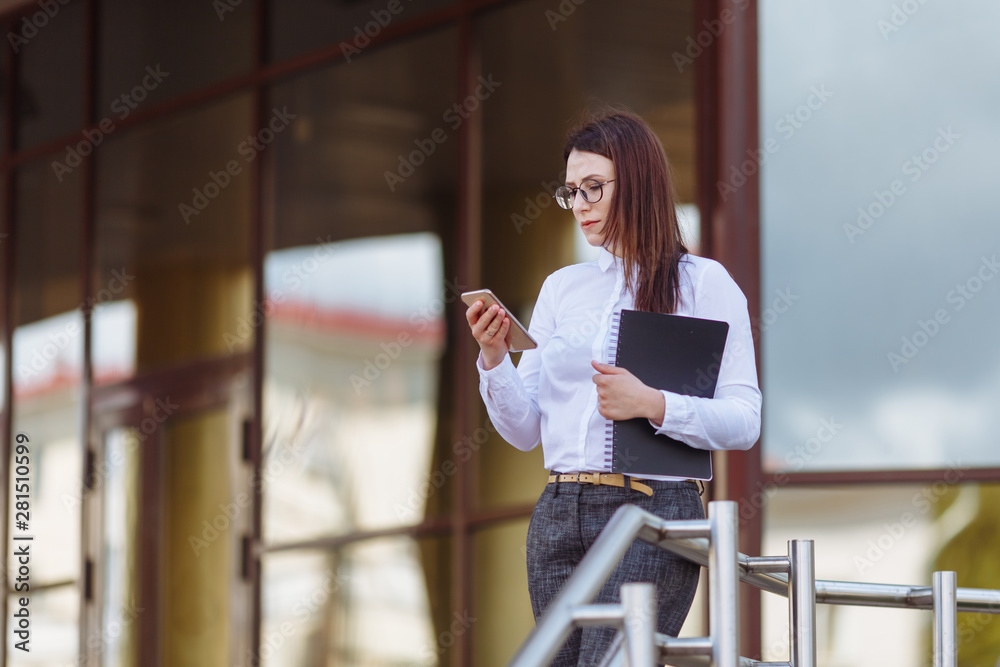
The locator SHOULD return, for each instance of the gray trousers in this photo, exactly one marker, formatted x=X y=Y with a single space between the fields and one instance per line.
x=568 y=518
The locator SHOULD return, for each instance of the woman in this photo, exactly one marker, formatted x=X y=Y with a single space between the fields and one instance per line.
x=563 y=393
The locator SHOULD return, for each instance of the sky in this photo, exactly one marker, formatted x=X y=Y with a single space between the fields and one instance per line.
x=894 y=113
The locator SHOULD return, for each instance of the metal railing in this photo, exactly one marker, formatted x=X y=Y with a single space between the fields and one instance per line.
x=712 y=543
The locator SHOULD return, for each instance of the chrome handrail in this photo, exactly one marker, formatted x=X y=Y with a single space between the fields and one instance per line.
x=712 y=544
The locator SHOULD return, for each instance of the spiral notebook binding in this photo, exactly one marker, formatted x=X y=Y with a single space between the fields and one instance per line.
x=609 y=428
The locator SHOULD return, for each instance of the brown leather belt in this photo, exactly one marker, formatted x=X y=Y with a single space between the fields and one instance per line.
x=599 y=479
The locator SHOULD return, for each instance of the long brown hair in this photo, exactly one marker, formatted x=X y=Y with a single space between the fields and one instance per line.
x=642 y=223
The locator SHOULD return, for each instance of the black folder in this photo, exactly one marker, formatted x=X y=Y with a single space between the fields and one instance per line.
x=672 y=352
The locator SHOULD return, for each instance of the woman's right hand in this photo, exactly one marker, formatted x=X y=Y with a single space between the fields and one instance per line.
x=490 y=330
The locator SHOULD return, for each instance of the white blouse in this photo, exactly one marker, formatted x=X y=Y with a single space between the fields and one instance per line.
x=550 y=397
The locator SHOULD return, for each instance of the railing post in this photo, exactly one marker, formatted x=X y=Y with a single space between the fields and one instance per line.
x=944 y=590
x=723 y=582
x=639 y=619
x=802 y=602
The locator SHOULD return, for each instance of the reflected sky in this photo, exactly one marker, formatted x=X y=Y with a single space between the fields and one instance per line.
x=393 y=275
x=353 y=347
x=880 y=225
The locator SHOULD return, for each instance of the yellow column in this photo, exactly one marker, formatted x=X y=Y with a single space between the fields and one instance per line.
x=184 y=313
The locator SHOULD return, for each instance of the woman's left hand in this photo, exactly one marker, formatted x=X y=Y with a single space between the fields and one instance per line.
x=621 y=395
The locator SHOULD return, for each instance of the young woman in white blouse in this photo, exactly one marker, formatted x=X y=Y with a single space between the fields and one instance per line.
x=563 y=393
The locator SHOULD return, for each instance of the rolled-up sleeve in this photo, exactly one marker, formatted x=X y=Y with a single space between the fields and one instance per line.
x=730 y=420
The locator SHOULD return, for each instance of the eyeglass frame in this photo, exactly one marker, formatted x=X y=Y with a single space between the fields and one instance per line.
x=572 y=193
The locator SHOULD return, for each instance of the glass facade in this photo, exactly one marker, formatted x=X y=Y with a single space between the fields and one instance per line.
x=878 y=236
x=896 y=534
x=46 y=376
x=172 y=278
x=356 y=292
x=50 y=84
x=232 y=240
x=878 y=310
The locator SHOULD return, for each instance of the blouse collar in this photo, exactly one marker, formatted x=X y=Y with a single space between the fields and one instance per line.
x=606 y=259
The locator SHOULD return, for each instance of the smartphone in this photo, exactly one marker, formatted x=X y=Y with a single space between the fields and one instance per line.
x=518 y=338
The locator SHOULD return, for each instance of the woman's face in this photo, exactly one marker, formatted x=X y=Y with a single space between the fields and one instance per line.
x=582 y=167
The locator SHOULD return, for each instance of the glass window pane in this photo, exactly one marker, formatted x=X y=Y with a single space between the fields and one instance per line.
x=4 y=55
x=47 y=366
x=336 y=608
x=55 y=636
x=616 y=51
x=503 y=608
x=5 y=294
x=878 y=228
x=50 y=73
x=893 y=534
x=119 y=482
x=152 y=51
x=200 y=541
x=357 y=290
x=173 y=280
x=299 y=26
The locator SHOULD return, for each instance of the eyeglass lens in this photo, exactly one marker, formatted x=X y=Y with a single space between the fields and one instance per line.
x=591 y=190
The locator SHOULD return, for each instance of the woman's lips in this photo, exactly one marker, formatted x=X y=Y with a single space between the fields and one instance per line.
x=588 y=223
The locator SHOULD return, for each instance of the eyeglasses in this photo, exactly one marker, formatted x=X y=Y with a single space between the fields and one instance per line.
x=592 y=191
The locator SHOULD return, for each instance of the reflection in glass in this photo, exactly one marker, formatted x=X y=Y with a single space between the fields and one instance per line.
x=337 y=608
x=152 y=51
x=173 y=279
x=199 y=541
x=120 y=521
x=47 y=366
x=351 y=390
x=55 y=636
x=113 y=328
x=50 y=79
x=357 y=290
x=896 y=534
x=298 y=26
x=878 y=228
x=503 y=612
x=47 y=371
